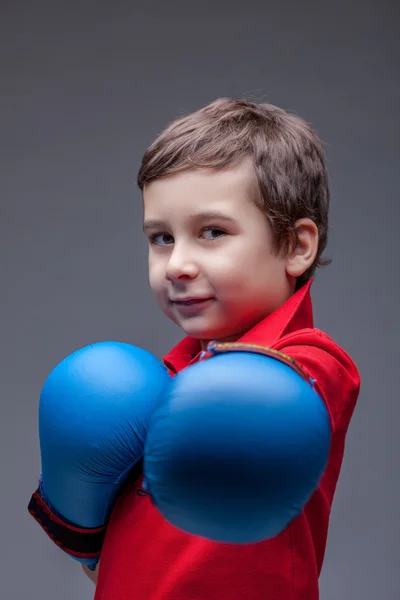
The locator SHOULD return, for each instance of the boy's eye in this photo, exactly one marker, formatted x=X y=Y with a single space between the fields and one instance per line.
x=213 y=233
x=161 y=239
x=166 y=239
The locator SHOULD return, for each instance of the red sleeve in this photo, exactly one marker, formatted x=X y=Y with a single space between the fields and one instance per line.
x=338 y=383
x=336 y=376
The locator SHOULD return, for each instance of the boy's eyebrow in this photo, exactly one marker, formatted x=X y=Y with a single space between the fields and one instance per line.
x=203 y=216
x=152 y=224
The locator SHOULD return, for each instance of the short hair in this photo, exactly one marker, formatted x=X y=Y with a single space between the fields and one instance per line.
x=287 y=156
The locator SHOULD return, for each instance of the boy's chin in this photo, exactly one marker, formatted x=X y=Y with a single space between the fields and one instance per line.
x=203 y=328
x=209 y=334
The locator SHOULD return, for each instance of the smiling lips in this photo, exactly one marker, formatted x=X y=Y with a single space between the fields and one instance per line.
x=190 y=302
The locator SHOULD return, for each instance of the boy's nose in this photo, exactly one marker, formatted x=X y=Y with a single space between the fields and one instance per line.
x=181 y=266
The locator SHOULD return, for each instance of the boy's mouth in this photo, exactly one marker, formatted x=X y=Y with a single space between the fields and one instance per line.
x=190 y=304
x=181 y=302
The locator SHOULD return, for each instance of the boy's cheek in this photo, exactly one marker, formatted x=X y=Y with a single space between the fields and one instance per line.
x=156 y=277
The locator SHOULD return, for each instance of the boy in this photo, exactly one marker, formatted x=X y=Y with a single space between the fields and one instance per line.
x=236 y=214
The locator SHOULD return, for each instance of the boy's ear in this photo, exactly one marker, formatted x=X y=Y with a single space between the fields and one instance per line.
x=304 y=248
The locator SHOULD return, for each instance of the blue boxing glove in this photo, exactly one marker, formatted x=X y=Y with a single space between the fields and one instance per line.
x=238 y=446
x=94 y=413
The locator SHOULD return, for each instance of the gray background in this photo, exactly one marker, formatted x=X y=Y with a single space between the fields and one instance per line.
x=85 y=86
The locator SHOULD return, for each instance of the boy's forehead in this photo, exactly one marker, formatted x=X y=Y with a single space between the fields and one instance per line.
x=198 y=190
x=203 y=177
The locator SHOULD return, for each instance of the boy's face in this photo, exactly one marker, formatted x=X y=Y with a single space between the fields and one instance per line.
x=212 y=266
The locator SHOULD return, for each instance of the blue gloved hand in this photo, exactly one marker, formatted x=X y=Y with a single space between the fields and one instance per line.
x=238 y=446
x=94 y=413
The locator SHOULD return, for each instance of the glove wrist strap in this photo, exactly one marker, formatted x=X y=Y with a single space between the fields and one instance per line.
x=79 y=542
x=215 y=348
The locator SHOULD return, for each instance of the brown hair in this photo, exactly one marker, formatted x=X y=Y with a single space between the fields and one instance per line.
x=286 y=154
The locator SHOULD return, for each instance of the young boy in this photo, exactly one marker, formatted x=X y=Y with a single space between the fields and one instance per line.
x=236 y=214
